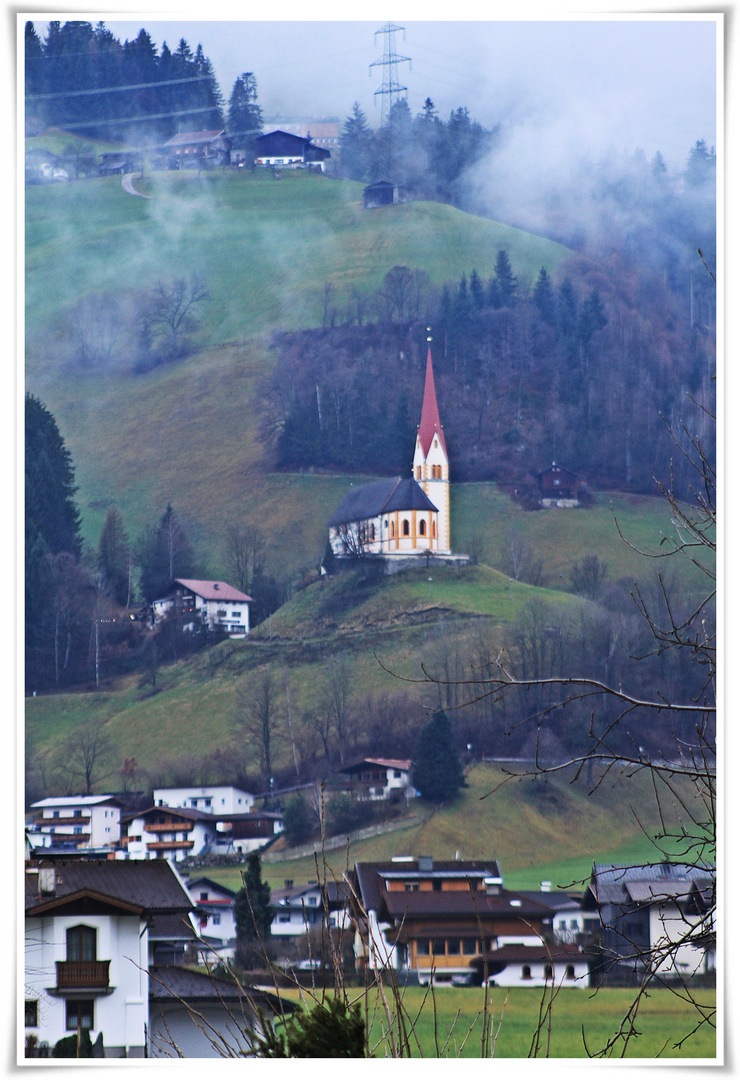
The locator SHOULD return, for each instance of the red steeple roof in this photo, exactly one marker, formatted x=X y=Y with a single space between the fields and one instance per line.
x=430 y=424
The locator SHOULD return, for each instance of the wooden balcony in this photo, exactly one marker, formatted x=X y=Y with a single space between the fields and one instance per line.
x=169 y=845
x=173 y=826
x=82 y=974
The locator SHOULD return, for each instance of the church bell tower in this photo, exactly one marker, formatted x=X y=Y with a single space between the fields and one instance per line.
x=431 y=468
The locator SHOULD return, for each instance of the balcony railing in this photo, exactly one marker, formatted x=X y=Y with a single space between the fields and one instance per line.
x=82 y=974
x=172 y=826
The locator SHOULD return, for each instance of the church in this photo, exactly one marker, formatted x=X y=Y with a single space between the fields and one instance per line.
x=398 y=518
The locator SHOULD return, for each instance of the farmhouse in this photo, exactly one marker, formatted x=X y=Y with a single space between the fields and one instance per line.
x=398 y=518
x=219 y=605
x=289 y=151
x=189 y=149
x=222 y=799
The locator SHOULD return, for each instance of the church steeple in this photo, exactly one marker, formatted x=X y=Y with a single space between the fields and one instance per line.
x=430 y=423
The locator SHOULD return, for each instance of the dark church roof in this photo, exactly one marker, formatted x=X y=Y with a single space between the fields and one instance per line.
x=381 y=497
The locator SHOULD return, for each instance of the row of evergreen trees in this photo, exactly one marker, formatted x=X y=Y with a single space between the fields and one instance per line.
x=82 y=78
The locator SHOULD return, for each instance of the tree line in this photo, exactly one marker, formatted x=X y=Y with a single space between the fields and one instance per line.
x=577 y=367
x=82 y=78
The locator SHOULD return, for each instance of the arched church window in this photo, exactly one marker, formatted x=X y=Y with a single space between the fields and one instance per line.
x=372 y=530
x=434 y=530
x=393 y=530
x=422 y=528
x=405 y=527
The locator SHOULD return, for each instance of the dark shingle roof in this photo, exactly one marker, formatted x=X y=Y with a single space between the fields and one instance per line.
x=151 y=884
x=647 y=884
x=167 y=982
x=369 y=876
x=380 y=497
x=461 y=902
x=172 y=928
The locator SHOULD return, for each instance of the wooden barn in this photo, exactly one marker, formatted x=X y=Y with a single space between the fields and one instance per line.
x=558 y=486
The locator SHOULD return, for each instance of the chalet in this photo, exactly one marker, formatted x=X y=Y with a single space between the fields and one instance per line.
x=432 y=919
x=216 y=603
x=78 y=821
x=196 y=149
x=381 y=778
x=641 y=913
x=558 y=486
x=163 y=832
x=280 y=148
x=299 y=908
x=120 y=162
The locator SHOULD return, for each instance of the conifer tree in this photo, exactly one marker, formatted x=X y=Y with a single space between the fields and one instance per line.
x=252 y=914
x=544 y=298
x=436 y=771
x=114 y=556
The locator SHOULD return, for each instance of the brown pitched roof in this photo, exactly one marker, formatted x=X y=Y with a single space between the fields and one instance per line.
x=149 y=885
x=385 y=763
x=190 y=138
x=454 y=903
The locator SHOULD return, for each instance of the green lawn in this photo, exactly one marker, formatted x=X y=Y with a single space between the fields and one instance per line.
x=580 y=1019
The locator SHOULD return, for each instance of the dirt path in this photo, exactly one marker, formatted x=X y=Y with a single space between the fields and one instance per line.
x=127 y=181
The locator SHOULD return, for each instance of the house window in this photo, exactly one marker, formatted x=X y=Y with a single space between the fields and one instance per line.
x=454 y=947
x=412 y=886
x=423 y=947
x=32 y=1012
x=236 y=614
x=283 y=918
x=216 y=920
x=526 y=971
x=82 y=943
x=405 y=527
x=204 y=896
x=470 y=946
x=79 y=1015
x=422 y=528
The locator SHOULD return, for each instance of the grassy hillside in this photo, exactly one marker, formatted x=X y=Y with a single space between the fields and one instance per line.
x=264 y=248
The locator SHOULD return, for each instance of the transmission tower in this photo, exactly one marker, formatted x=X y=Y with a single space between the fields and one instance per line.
x=391 y=90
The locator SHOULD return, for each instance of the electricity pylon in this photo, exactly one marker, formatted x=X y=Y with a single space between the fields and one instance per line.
x=391 y=89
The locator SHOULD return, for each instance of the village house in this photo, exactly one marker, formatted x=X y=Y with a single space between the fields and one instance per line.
x=78 y=821
x=381 y=778
x=297 y=909
x=321 y=131
x=171 y=832
x=105 y=943
x=433 y=918
x=213 y=799
x=532 y=965
x=658 y=915
x=213 y=919
x=401 y=518
x=216 y=603
x=281 y=149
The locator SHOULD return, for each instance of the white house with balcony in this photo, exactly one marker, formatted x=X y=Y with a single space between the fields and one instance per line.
x=217 y=604
x=381 y=778
x=88 y=953
x=84 y=821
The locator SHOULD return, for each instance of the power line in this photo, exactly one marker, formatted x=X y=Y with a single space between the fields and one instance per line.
x=118 y=89
x=104 y=122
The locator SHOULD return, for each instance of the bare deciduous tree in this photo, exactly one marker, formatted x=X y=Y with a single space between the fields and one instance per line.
x=245 y=554
x=258 y=720
x=170 y=315
x=86 y=754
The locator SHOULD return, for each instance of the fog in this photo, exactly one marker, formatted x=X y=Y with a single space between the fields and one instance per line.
x=594 y=85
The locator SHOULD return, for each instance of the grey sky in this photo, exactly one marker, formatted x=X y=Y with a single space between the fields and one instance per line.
x=602 y=84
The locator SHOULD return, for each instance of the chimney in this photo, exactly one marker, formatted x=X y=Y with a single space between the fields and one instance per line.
x=426 y=864
x=288 y=883
x=493 y=885
x=545 y=886
x=47 y=881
